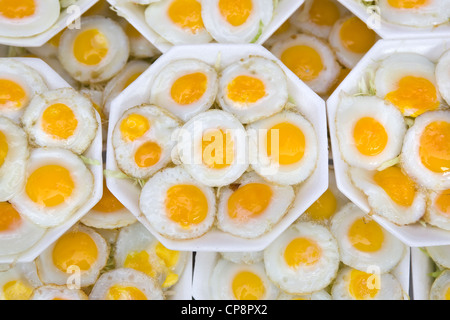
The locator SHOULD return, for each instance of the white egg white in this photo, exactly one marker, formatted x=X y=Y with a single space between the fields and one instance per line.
x=53 y=292
x=248 y=257
x=318 y=295
x=441 y=286
x=440 y=255
x=443 y=76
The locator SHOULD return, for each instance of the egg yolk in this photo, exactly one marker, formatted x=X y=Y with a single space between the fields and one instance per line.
x=366 y=236
x=186 y=204
x=369 y=136
x=434 y=147
x=120 y=292
x=189 y=88
x=324 y=12
x=17 y=9
x=170 y=259
x=302 y=252
x=56 y=39
x=414 y=93
x=235 y=12
x=12 y=95
x=360 y=286
x=131 y=79
x=247 y=285
x=16 y=290
x=132 y=32
x=134 y=126
x=108 y=203
x=304 y=61
x=140 y=261
x=447 y=294
x=90 y=47
x=9 y=218
x=398 y=186
x=246 y=89
x=283 y=28
x=249 y=201
x=217 y=148
x=3 y=148
x=187 y=14
x=324 y=207
x=50 y=185
x=442 y=202
x=59 y=121
x=148 y=154
x=407 y=4
x=356 y=36
x=286 y=143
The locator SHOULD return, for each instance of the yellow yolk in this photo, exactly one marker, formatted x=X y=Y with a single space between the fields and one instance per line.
x=324 y=12
x=140 y=261
x=50 y=185
x=134 y=126
x=132 y=32
x=17 y=9
x=359 y=287
x=434 y=147
x=246 y=89
x=120 y=292
x=108 y=203
x=304 y=61
x=442 y=202
x=170 y=259
x=75 y=249
x=90 y=47
x=131 y=79
x=187 y=14
x=414 y=93
x=3 y=148
x=16 y=290
x=399 y=187
x=407 y=4
x=447 y=294
x=56 y=39
x=291 y=143
x=249 y=201
x=356 y=36
x=247 y=285
x=366 y=236
x=324 y=207
x=217 y=149
x=147 y=154
x=302 y=252
x=283 y=28
x=236 y=12
x=189 y=88
x=186 y=205
x=369 y=136
x=59 y=121
x=12 y=95
x=9 y=218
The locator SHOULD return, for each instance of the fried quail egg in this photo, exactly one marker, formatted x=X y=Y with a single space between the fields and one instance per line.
x=57 y=184
x=142 y=140
x=125 y=284
x=309 y=58
x=303 y=259
x=438 y=209
x=213 y=147
x=407 y=80
x=238 y=281
x=138 y=249
x=96 y=52
x=319 y=295
x=426 y=150
x=352 y=284
x=62 y=118
x=19 y=281
x=252 y=89
x=369 y=130
x=185 y=87
x=26 y=18
x=52 y=292
x=177 y=205
x=363 y=243
x=443 y=76
x=250 y=207
x=178 y=21
x=440 y=255
x=283 y=148
x=77 y=258
x=248 y=257
x=440 y=289
x=391 y=193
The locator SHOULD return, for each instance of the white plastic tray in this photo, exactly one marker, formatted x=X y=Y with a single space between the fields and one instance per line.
x=421 y=281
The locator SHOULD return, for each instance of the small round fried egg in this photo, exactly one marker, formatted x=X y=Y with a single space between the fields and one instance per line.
x=185 y=87
x=252 y=89
x=178 y=21
x=318 y=295
x=96 y=52
x=236 y=21
x=62 y=118
x=283 y=148
x=309 y=58
x=248 y=257
x=52 y=292
x=213 y=147
x=440 y=289
x=80 y=251
x=239 y=281
x=303 y=259
x=178 y=206
x=19 y=282
x=369 y=130
x=57 y=184
x=352 y=284
x=363 y=243
x=142 y=140
x=440 y=255
x=250 y=207
x=443 y=76
x=438 y=209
